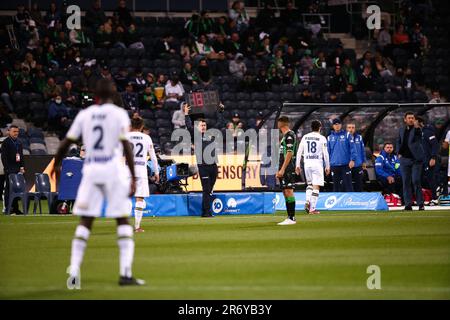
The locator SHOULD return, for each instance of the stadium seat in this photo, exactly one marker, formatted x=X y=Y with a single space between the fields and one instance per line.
x=17 y=189
x=43 y=191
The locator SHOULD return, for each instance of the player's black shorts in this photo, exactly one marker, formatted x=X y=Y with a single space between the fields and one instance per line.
x=288 y=180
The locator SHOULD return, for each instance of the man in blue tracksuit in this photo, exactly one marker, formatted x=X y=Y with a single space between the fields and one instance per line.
x=360 y=162
x=342 y=151
x=431 y=161
x=387 y=170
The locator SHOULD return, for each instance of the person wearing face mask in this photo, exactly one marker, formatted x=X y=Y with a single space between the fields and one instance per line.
x=58 y=115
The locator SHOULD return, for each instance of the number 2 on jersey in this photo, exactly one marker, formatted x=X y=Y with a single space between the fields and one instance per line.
x=98 y=145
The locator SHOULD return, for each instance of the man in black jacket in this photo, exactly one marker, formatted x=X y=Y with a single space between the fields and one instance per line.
x=411 y=154
x=207 y=167
x=12 y=159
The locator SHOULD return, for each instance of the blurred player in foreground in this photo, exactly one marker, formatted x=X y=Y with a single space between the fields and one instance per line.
x=286 y=171
x=313 y=148
x=103 y=129
x=142 y=147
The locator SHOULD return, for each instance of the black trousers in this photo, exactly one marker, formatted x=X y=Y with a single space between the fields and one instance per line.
x=358 y=179
x=412 y=180
x=431 y=177
x=342 y=178
x=396 y=187
x=208 y=176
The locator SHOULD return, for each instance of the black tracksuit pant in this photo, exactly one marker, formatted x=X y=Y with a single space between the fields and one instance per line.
x=208 y=176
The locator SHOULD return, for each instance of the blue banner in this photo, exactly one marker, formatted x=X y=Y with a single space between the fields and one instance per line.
x=337 y=201
x=165 y=205
x=233 y=203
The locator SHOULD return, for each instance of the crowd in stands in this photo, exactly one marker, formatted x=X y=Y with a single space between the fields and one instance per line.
x=254 y=64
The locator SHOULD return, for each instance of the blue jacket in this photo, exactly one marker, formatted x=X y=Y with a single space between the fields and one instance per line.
x=360 y=152
x=430 y=143
x=385 y=166
x=341 y=148
x=415 y=143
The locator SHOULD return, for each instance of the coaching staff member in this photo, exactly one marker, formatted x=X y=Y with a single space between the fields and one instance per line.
x=431 y=167
x=412 y=156
x=342 y=151
x=12 y=159
x=207 y=171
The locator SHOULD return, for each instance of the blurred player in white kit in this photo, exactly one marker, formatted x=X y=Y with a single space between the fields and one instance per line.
x=103 y=129
x=142 y=147
x=313 y=148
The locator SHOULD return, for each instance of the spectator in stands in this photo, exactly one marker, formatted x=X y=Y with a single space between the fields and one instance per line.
x=336 y=58
x=342 y=151
x=33 y=36
x=95 y=16
x=221 y=65
x=24 y=82
x=349 y=96
x=290 y=16
x=418 y=38
x=306 y=61
x=222 y=27
x=431 y=164
x=139 y=81
x=36 y=15
x=5 y=119
x=69 y=97
x=239 y=17
x=235 y=43
x=290 y=59
x=384 y=39
x=178 y=119
x=387 y=170
x=320 y=61
x=400 y=36
x=174 y=90
x=304 y=78
x=121 y=79
x=410 y=151
x=306 y=96
x=238 y=67
x=204 y=72
x=148 y=99
x=78 y=38
x=360 y=162
x=204 y=48
x=235 y=123
x=130 y=98
x=53 y=15
x=58 y=116
x=337 y=81
x=403 y=84
x=187 y=50
x=222 y=44
x=6 y=88
x=88 y=79
x=39 y=81
x=436 y=97
x=123 y=14
x=22 y=17
x=365 y=61
x=188 y=76
x=261 y=83
x=206 y=23
x=366 y=82
x=266 y=48
x=349 y=73
x=12 y=160
x=134 y=39
x=192 y=26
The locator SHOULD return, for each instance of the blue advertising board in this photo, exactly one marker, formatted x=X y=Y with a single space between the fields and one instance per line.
x=337 y=201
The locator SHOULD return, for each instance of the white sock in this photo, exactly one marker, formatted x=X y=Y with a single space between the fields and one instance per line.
x=79 y=244
x=126 y=248
x=309 y=190
x=138 y=211
x=314 y=197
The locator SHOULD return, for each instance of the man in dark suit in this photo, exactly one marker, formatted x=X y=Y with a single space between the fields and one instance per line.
x=411 y=154
x=12 y=159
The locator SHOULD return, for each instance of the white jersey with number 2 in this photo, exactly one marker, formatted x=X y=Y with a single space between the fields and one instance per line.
x=313 y=148
x=142 y=147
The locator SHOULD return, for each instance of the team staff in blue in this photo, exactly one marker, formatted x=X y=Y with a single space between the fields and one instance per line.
x=431 y=166
x=412 y=156
x=360 y=162
x=387 y=170
x=342 y=151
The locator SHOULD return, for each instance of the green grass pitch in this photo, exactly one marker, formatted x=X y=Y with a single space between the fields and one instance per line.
x=235 y=257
